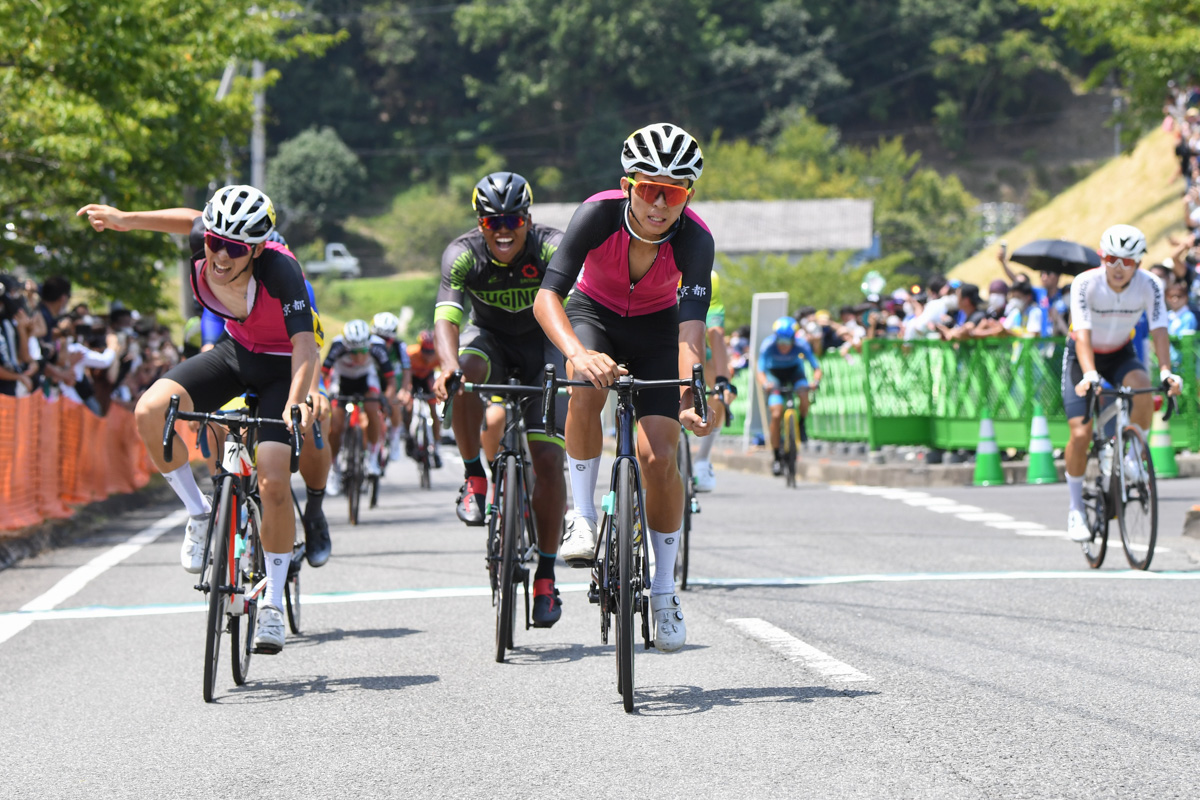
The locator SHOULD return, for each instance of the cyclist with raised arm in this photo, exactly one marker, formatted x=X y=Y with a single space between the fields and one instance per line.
x=386 y=326
x=500 y=266
x=781 y=362
x=357 y=363
x=272 y=349
x=424 y=362
x=635 y=246
x=1106 y=303
x=716 y=375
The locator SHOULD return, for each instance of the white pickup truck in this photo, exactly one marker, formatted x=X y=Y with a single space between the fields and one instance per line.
x=337 y=261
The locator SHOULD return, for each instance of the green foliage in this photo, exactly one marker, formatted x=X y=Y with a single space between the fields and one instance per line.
x=363 y=298
x=821 y=280
x=1144 y=43
x=114 y=101
x=313 y=180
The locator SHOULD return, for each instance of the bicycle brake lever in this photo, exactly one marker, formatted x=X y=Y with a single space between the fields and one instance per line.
x=297 y=438
x=169 y=429
x=548 y=397
x=699 y=398
x=452 y=387
x=318 y=439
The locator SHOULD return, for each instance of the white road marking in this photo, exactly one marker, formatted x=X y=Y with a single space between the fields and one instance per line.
x=956 y=509
x=793 y=649
x=13 y=623
x=1016 y=525
x=984 y=516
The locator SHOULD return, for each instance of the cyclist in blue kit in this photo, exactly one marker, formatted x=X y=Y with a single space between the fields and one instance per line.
x=781 y=362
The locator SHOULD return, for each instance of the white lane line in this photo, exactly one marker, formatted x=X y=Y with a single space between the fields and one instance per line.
x=1016 y=525
x=944 y=577
x=984 y=516
x=793 y=649
x=13 y=623
x=956 y=509
x=929 y=501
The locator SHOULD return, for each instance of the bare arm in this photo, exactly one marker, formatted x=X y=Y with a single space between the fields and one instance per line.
x=165 y=220
x=598 y=368
x=305 y=356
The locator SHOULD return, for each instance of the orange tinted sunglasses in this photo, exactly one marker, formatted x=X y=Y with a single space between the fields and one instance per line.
x=649 y=191
x=1117 y=261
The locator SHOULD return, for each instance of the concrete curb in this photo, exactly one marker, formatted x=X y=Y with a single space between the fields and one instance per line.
x=31 y=541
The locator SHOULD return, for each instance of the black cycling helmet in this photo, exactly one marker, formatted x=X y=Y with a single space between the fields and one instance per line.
x=501 y=193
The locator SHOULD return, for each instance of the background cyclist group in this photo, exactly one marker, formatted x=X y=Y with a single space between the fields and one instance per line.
x=627 y=287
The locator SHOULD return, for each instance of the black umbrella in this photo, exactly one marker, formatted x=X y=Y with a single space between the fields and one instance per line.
x=1056 y=255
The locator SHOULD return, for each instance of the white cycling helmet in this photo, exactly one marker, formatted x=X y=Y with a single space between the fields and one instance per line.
x=1123 y=241
x=386 y=324
x=356 y=333
x=240 y=213
x=662 y=149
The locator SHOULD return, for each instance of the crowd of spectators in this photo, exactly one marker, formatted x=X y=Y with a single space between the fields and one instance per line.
x=96 y=359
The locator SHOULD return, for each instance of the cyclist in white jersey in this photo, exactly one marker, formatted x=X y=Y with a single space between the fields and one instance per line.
x=1106 y=303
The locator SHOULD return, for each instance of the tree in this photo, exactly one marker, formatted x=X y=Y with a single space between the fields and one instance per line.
x=115 y=101
x=1144 y=43
x=314 y=179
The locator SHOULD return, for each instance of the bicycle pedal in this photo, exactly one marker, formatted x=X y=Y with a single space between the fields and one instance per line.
x=593 y=594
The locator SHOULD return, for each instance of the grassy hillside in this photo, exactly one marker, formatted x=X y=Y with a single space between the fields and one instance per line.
x=1136 y=189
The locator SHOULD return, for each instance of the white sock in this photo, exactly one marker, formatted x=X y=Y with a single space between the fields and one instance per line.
x=666 y=547
x=395 y=441
x=1075 y=485
x=704 y=446
x=583 y=485
x=184 y=483
x=277 y=570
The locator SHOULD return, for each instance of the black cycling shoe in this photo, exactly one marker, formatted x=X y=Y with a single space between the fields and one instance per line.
x=471 y=500
x=437 y=460
x=547 y=606
x=317 y=546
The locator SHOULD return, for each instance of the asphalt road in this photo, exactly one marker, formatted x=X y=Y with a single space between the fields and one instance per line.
x=842 y=642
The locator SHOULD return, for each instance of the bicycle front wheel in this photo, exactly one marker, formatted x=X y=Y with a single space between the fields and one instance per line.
x=291 y=597
x=684 y=459
x=425 y=447
x=1097 y=509
x=222 y=521
x=352 y=484
x=250 y=568
x=1138 y=503
x=625 y=579
x=788 y=449
x=510 y=522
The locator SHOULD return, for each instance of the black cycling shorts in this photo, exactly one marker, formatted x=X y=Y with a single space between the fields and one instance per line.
x=1113 y=367
x=526 y=355
x=215 y=377
x=648 y=346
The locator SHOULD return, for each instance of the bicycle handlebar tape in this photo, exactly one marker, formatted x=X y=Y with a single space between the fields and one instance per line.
x=549 y=390
x=1162 y=451
x=1040 y=468
x=988 y=470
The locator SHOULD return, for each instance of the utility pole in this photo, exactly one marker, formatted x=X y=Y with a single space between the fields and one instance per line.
x=1117 y=126
x=258 y=138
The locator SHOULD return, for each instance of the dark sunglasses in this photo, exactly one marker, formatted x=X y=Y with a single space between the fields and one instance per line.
x=232 y=248
x=497 y=222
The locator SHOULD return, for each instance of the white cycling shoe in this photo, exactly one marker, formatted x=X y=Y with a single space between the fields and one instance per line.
x=579 y=542
x=670 y=632
x=1077 y=527
x=333 y=484
x=269 y=631
x=373 y=469
x=191 y=554
x=702 y=474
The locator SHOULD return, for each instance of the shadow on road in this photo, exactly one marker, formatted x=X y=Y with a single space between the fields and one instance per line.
x=666 y=701
x=274 y=691
x=341 y=634
x=564 y=653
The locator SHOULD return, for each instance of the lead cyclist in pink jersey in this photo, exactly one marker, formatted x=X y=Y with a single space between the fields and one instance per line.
x=258 y=288
x=1106 y=303
x=633 y=245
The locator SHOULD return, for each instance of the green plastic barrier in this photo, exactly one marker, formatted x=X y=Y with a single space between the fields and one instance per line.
x=935 y=393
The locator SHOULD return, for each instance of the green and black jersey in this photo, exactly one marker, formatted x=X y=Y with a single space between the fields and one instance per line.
x=501 y=294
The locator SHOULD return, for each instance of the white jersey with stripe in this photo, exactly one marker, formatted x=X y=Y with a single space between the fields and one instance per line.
x=1111 y=315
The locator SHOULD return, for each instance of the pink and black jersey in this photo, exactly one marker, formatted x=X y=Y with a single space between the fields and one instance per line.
x=597 y=241
x=277 y=299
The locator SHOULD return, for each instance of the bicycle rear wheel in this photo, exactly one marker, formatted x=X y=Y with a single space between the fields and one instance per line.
x=625 y=579
x=684 y=458
x=1096 y=510
x=374 y=480
x=222 y=521
x=1138 y=504
x=352 y=484
x=250 y=568
x=510 y=522
x=788 y=450
x=425 y=448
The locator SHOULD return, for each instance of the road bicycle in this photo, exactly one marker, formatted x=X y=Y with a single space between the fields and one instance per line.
x=512 y=542
x=789 y=435
x=234 y=574
x=691 y=500
x=1118 y=481
x=421 y=432
x=352 y=457
x=621 y=566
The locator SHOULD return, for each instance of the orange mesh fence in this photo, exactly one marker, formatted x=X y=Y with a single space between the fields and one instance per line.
x=57 y=454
